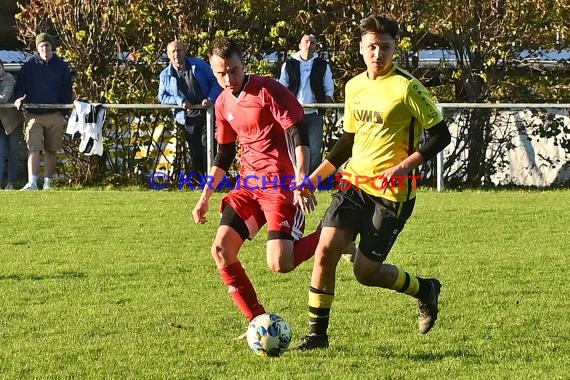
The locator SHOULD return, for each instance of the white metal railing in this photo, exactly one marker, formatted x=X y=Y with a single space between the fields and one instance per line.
x=210 y=118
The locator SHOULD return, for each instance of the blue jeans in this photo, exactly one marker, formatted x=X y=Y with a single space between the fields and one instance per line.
x=315 y=129
x=9 y=151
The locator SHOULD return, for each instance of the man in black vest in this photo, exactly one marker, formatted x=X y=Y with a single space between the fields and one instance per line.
x=309 y=77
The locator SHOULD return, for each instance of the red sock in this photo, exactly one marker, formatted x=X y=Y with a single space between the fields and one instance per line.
x=241 y=290
x=305 y=247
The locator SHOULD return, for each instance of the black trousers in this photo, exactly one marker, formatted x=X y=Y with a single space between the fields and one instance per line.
x=197 y=138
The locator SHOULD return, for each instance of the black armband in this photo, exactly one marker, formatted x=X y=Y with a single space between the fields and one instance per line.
x=438 y=137
x=342 y=150
x=299 y=134
x=225 y=156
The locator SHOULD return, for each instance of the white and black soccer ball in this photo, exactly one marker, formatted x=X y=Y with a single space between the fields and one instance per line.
x=269 y=334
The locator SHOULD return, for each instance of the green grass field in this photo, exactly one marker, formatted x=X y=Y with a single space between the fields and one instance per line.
x=121 y=285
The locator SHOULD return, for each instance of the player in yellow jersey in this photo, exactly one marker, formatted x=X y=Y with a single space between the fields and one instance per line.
x=386 y=110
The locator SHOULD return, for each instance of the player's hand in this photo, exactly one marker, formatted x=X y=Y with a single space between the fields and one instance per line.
x=200 y=210
x=393 y=176
x=207 y=103
x=305 y=199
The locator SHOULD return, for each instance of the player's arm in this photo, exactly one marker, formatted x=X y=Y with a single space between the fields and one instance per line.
x=338 y=155
x=438 y=137
x=222 y=162
x=424 y=109
x=300 y=137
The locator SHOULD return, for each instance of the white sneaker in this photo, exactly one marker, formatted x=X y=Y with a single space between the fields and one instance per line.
x=29 y=186
x=47 y=185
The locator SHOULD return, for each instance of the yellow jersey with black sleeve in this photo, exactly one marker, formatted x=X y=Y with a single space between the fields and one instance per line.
x=387 y=116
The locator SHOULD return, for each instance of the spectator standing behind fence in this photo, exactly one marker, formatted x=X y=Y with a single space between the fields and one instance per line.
x=44 y=79
x=10 y=130
x=309 y=77
x=187 y=82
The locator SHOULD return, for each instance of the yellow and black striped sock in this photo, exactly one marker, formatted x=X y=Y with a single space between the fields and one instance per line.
x=406 y=283
x=319 y=311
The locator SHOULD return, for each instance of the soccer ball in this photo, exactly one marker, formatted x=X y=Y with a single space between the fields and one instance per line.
x=268 y=334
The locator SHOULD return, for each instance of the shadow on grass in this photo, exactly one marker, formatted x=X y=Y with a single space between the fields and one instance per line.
x=430 y=356
x=41 y=277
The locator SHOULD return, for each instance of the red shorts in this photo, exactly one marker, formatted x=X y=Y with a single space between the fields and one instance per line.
x=273 y=206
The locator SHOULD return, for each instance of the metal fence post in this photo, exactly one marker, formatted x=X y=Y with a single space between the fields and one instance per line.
x=439 y=164
x=210 y=136
x=440 y=171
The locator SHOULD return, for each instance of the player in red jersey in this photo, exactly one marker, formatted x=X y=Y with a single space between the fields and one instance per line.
x=268 y=121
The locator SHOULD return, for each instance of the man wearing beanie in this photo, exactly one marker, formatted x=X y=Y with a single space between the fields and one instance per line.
x=44 y=79
x=44 y=37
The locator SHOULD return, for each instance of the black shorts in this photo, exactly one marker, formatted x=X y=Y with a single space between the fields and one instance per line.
x=377 y=220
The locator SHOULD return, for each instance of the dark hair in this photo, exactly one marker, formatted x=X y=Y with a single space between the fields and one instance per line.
x=225 y=48
x=310 y=33
x=379 y=24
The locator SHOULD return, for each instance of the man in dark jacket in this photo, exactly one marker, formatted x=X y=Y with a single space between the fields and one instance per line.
x=44 y=79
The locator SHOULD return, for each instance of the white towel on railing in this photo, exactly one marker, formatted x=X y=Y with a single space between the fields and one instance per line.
x=86 y=122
